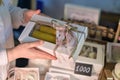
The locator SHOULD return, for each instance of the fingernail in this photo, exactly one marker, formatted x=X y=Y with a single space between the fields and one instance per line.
x=54 y=58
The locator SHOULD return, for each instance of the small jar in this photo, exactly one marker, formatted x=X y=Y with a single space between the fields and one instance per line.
x=92 y=32
x=110 y=30
x=111 y=34
x=110 y=37
x=104 y=35
x=98 y=34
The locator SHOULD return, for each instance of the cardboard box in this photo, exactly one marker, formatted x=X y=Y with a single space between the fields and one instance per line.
x=48 y=46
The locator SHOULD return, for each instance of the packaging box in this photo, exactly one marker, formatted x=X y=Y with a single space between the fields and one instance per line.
x=90 y=54
x=56 y=76
x=24 y=74
x=49 y=46
x=74 y=76
x=113 y=52
x=93 y=54
x=82 y=13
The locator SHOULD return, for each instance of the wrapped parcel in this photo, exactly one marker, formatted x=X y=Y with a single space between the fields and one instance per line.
x=58 y=36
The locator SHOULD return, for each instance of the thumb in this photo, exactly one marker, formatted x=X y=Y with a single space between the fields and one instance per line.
x=37 y=12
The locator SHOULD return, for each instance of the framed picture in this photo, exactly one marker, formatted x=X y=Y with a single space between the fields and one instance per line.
x=113 y=52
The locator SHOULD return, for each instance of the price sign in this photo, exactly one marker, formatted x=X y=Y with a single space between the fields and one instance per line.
x=83 y=69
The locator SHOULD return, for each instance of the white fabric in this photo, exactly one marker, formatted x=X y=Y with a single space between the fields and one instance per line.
x=7 y=12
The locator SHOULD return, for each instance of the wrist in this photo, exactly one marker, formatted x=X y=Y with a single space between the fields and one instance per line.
x=11 y=55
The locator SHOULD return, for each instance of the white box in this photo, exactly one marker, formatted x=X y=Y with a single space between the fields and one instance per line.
x=67 y=66
x=82 y=13
x=26 y=74
x=56 y=76
x=74 y=76
x=47 y=46
x=113 y=52
x=98 y=61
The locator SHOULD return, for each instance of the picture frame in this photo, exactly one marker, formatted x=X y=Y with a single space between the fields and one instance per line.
x=113 y=52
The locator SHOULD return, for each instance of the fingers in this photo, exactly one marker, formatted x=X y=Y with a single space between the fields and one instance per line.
x=37 y=12
x=43 y=54
x=47 y=56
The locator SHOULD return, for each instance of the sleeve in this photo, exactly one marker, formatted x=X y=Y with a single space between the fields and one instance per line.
x=17 y=16
x=3 y=57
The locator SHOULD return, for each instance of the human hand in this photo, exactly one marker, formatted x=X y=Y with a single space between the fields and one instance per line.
x=29 y=13
x=28 y=50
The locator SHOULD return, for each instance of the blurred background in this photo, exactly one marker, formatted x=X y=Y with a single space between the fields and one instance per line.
x=55 y=8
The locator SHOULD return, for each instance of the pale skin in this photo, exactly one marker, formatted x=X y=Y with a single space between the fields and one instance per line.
x=28 y=50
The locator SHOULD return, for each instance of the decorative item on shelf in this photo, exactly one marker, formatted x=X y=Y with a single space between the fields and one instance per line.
x=80 y=22
x=111 y=34
x=104 y=34
x=92 y=32
x=99 y=34
x=82 y=13
x=116 y=72
x=113 y=52
x=92 y=54
x=96 y=32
